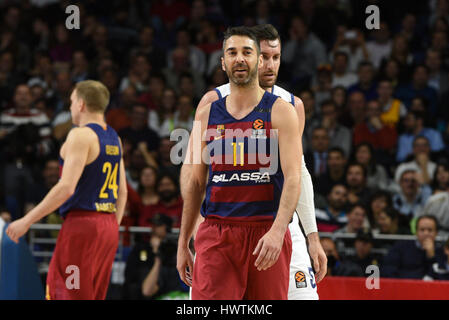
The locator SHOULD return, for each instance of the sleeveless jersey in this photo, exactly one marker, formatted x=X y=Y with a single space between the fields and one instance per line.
x=242 y=184
x=225 y=90
x=97 y=189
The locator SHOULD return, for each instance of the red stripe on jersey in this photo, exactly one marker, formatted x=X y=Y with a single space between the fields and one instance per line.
x=251 y=162
x=263 y=192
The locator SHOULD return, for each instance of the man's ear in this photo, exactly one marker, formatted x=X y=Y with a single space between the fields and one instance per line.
x=223 y=64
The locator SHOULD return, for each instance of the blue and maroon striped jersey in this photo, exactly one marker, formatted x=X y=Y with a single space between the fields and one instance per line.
x=97 y=188
x=245 y=178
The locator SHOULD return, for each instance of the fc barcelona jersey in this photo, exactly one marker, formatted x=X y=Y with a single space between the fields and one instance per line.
x=97 y=188
x=245 y=178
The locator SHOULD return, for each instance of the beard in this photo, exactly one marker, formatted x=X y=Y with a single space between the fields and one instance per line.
x=242 y=81
x=270 y=82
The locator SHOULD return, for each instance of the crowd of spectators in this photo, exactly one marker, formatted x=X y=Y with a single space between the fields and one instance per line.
x=376 y=139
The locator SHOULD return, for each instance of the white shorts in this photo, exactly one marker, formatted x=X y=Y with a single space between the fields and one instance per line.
x=302 y=285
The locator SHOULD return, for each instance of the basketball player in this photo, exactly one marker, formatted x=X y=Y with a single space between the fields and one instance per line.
x=302 y=276
x=243 y=248
x=91 y=189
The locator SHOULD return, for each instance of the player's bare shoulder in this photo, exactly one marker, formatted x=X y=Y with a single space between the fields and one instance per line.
x=208 y=97
x=282 y=112
x=79 y=137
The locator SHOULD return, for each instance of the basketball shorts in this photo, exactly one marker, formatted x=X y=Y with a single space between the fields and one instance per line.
x=81 y=264
x=302 y=285
x=224 y=263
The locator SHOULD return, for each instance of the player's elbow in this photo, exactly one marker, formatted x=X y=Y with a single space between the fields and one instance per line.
x=66 y=190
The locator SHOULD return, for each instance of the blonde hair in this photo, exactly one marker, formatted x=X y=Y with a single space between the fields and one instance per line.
x=94 y=94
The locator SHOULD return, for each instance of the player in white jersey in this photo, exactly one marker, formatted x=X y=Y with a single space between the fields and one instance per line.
x=303 y=277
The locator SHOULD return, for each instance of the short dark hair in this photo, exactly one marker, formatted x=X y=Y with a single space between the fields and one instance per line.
x=358 y=204
x=241 y=31
x=356 y=164
x=427 y=216
x=338 y=150
x=266 y=32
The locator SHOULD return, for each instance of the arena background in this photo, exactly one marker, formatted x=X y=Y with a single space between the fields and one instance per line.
x=158 y=58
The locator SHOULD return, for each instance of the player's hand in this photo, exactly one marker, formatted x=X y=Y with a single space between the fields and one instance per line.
x=268 y=249
x=184 y=264
x=318 y=256
x=17 y=229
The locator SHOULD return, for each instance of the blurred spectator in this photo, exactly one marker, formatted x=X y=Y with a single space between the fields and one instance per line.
x=414 y=259
x=63 y=90
x=337 y=266
x=418 y=87
x=364 y=255
x=356 y=180
x=120 y=118
x=333 y=216
x=400 y=52
x=180 y=65
x=440 y=181
x=303 y=52
x=138 y=130
x=197 y=58
x=440 y=269
x=339 y=96
x=356 y=217
x=377 y=176
x=437 y=206
x=438 y=78
x=380 y=200
x=414 y=125
x=316 y=158
x=410 y=31
x=49 y=177
x=374 y=132
x=61 y=50
x=339 y=135
x=138 y=74
x=355 y=112
x=439 y=43
x=23 y=113
x=80 y=68
x=351 y=42
x=411 y=198
x=366 y=83
x=388 y=221
x=336 y=168
x=164 y=160
x=392 y=109
x=150 y=48
x=322 y=85
x=149 y=197
x=380 y=46
x=421 y=162
x=161 y=120
x=340 y=74
x=151 y=266
x=170 y=201
x=390 y=70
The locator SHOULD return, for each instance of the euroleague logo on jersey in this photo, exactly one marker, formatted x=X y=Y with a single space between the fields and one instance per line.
x=258 y=129
x=300 y=280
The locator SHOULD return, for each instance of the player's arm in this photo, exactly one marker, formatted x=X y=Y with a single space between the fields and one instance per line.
x=283 y=119
x=193 y=189
x=306 y=208
x=122 y=190
x=77 y=149
x=208 y=98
